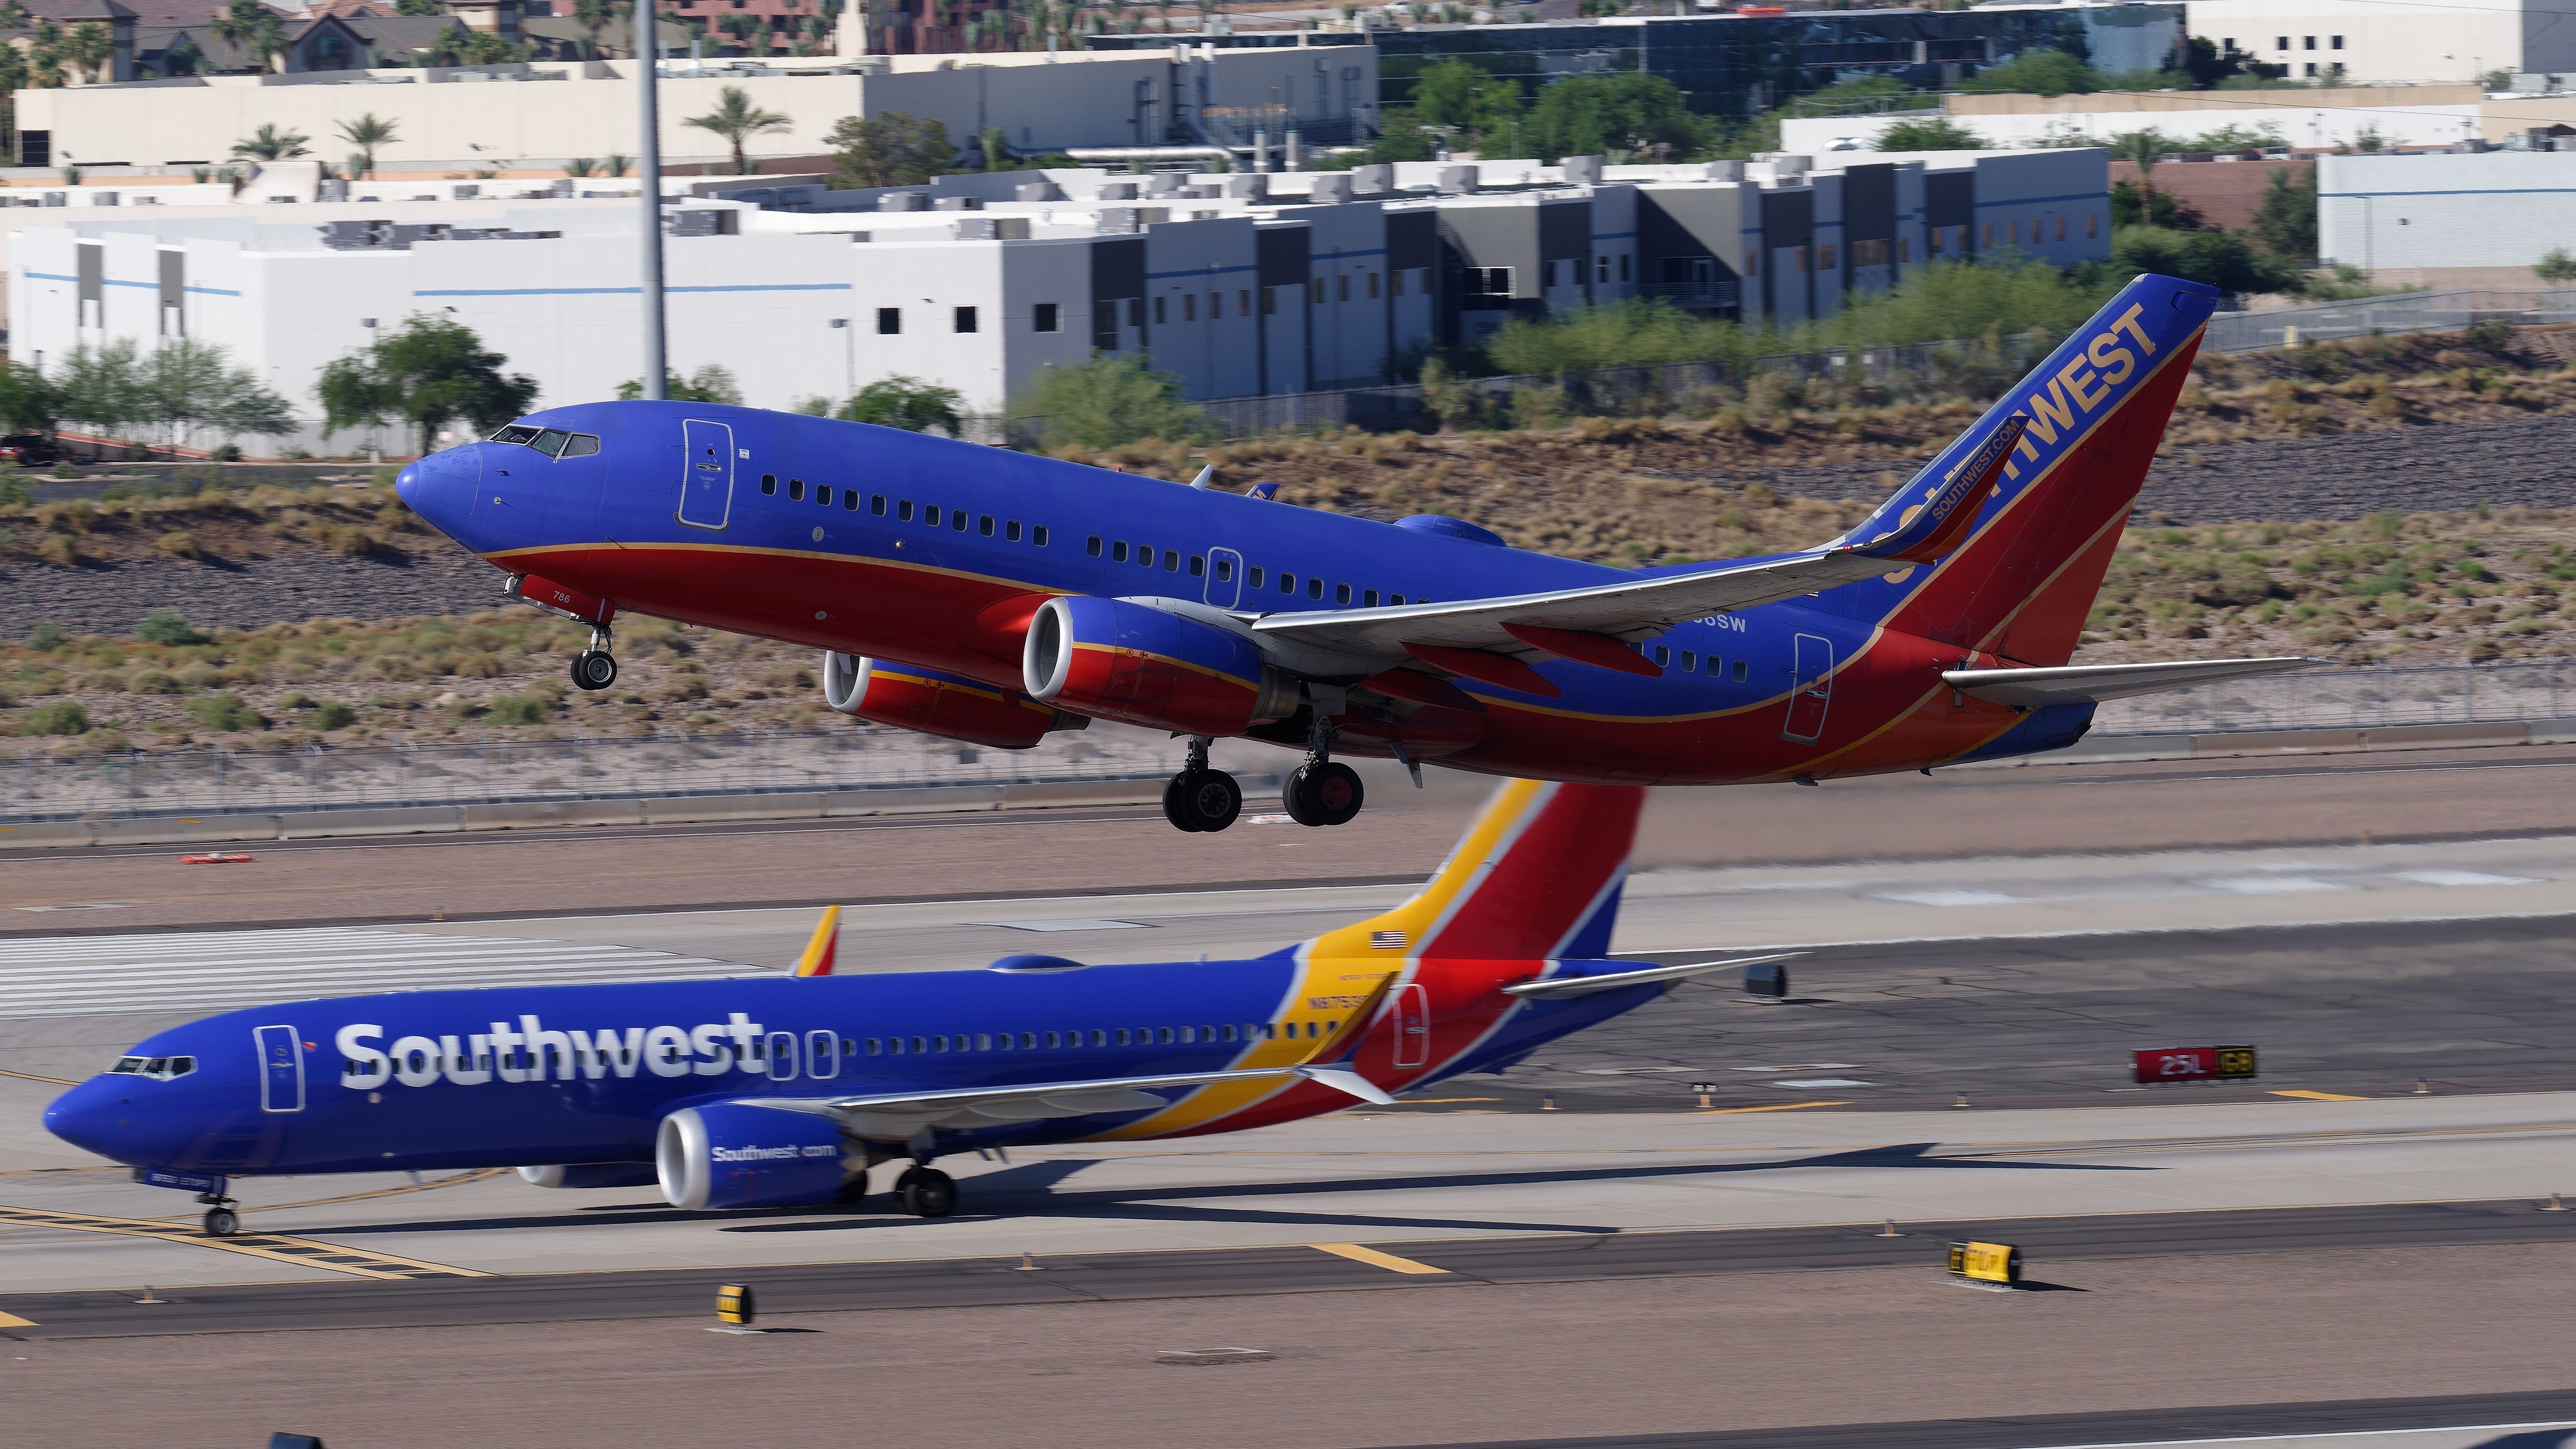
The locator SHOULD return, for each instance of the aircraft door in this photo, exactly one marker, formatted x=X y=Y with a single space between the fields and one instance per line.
x=1224 y=577
x=281 y=1069
x=782 y=1056
x=822 y=1054
x=1412 y=1026
x=706 y=483
x=1811 y=689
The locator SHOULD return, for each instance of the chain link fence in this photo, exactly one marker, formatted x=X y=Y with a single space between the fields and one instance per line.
x=2350 y=699
x=2445 y=311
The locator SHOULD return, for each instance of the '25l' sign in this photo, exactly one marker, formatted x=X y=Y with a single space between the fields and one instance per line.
x=2195 y=1064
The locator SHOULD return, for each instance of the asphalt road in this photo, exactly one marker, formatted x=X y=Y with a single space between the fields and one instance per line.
x=788 y=1290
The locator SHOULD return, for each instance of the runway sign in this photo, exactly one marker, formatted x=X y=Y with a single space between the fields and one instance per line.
x=1986 y=1262
x=2196 y=1064
x=734 y=1305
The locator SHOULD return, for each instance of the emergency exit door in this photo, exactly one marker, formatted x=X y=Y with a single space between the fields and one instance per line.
x=281 y=1069
x=1412 y=1026
x=1811 y=690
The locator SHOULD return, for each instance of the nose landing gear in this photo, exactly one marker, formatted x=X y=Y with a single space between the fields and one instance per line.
x=595 y=667
x=220 y=1220
x=1201 y=799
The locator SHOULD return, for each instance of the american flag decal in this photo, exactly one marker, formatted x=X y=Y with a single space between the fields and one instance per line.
x=1386 y=940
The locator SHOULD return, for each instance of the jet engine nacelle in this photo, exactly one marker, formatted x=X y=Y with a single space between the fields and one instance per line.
x=931 y=703
x=1126 y=660
x=734 y=1155
x=593 y=1174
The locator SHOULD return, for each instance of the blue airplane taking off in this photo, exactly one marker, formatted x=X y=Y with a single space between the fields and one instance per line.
x=993 y=597
x=752 y=1093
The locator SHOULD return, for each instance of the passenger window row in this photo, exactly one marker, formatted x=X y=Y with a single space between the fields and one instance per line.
x=1717 y=668
x=1093 y=1037
x=957 y=519
x=1118 y=550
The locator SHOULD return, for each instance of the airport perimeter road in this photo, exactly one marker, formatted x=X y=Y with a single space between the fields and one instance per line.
x=2038 y=810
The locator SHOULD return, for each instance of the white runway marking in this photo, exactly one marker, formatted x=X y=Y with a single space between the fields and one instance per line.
x=1086 y=923
x=2461 y=878
x=99 y=975
x=2272 y=885
x=1952 y=898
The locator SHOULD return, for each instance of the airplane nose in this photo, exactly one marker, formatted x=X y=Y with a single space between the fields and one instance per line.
x=90 y=1116
x=440 y=487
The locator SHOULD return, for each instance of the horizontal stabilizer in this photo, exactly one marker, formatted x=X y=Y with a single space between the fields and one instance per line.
x=1554 y=988
x=2083 y=683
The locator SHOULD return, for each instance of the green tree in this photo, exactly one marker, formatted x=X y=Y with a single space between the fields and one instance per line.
x=1626 y=115
x=168 y=626
x=2286 y=218
x=419 y=8
x=1480 y=106
x=2556 y=266
x=737 y=120
x=252 y=31
x=997 y=148
x=893 y=150
x=2143 y=149
x=907 y=403
x=1401 y=140
x=1114 y=398
x=1938 y=134
x=268 y=143
x=2039 y=73
x=2131 y=207
x=91 y=47
x=368 y=133
x=45 y=56
x=712 y=383
x=102 y=385
x=427 y=372
x=29 y=401
x=2225 y=260
x=189 y=386
x=593 y=17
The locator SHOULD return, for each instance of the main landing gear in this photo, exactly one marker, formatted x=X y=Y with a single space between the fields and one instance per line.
x=926 y=1192
x=595 y=667
x=1323 y=791
x=1200 y=799
x=220 y=1220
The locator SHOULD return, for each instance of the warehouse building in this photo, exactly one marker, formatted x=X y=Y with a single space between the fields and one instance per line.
x=2445 y=215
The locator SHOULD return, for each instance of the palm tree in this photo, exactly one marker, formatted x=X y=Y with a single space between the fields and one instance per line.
x=368 y=133
x=248 y=26
x=736 y=119
x=592 y=17
x=2143 y=148
x=45 y=56
x=270 y=144
x=90 y=47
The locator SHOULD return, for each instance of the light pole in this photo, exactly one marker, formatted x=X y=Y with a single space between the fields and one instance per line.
x=648 y=170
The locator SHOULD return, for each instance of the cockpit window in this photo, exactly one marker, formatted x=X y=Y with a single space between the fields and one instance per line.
x=553 y=442
x=516 y=433
x=160 y=1069
x=580 y=445
x=550 y=442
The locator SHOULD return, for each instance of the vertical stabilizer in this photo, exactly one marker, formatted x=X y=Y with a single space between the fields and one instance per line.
x=824 y=948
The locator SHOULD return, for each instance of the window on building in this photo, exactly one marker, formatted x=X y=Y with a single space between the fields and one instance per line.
x=1495 y=282
x=1269 y=301
x=1158 y=311
x=889 y=321
x=1752 y=264
x=1044 y=318
x=1135 y=311
x=1904 y=250
x=1319 y=290
x=1243 y=301
x=2282 y=44
x=1372 y=286
x=965 y=319
x=1990 y=234
x=2307 y=42
x=1601 y=267
x=2309 y=70
x=1395 y=284
x=2092 y=225
x=2338 y=43
x=1932 y=241
x=1802 y=258
x=1825 y=257
x=1342 y=288
x=1623 y=266
x=1189 y=306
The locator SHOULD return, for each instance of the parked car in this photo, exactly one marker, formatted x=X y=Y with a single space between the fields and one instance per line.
x=30 y=448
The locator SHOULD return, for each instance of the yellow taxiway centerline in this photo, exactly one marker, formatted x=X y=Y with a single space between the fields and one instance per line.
x=1376 y=1259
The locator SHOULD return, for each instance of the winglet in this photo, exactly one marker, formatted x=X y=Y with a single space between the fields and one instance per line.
x=1935 y=526
x=820 y=951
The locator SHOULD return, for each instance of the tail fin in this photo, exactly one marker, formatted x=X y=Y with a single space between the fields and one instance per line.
x=2022 y=579
x=1535 y=878
x=825 y=946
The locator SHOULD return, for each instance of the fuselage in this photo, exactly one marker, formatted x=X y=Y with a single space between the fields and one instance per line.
x=585 y=1074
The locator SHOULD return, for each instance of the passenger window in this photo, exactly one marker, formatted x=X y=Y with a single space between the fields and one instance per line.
x=1229 y=1031
x=1011 y=531
x=930 y=514
x=903 y=511
x=1122 y=1036
x=876 y=504
x=1117 y=552
x=1051 y=1039
x=957 y=519
x=1198 y=566
x=1690 y=662
x=1028 y=1041
x=1224 y=570
x=1164 y=1037
x=1253 y=576
x=1144 y=555
x=795 y=490
x=769 y=483
x=1741 y=670
x=1341 y=593
x=1091 y=547
x=1100 y=1037
x=920 y=1045
x=984 y=525
x=1171 y=560
x=1186 y=1035
x=823 y=494
x=1371 y=596
x=1663 y=656
x=1287 y=583
x=983 y=1041
x=850 y=500
x=1394 y=599
x=1315 y=589
x=1037 y=535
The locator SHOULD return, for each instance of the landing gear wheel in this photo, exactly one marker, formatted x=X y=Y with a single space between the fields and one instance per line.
x=926 y=1192
x=1202 y=800
x=1325 y=794
x=222 y=1222
x=594 y=669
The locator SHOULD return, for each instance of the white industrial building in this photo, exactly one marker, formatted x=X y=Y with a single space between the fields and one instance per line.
x=2388 y=119
x=2444 y=211
x=1242 y=284
x=2395 y=42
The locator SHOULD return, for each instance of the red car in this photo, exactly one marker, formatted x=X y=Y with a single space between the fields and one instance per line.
x=30 y=448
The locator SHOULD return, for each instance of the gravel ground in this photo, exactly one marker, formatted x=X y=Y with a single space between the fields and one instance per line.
x=111 y=598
